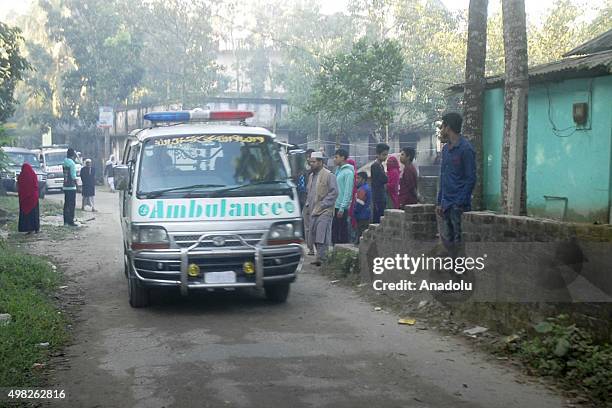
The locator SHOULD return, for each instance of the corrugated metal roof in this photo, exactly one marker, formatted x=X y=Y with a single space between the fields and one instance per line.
x=602 y=42
x=571 y=67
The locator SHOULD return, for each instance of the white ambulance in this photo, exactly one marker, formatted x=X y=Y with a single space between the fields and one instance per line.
x=207 y=205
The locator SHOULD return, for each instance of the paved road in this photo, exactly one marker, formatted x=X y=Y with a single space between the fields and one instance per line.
x=324 y=348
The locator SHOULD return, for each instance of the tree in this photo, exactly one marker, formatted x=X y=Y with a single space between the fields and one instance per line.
x=602 y=22
x=473 y=95
x=300 y=36
x=495 y=45
x=561 y=31
x=434 y=47
x=358 y=87
x=12 y=68
x=514 y=150
x=106 y=53
x=181 y=49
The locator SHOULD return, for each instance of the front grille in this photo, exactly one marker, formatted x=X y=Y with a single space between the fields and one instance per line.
x=274 y=264
x=170 y=270
x=185 y=241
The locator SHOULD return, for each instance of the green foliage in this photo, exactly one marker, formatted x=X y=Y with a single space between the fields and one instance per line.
x=180 y=49
x=342 y=264
x=26 y=287
x=358 y=87
x=106 y=51
x=602 y=22
x=434 y=43
x=495 y=45
x=295 y=36
x=12 y=68
x=561 y=31
x=3 y=157
x=563 y=350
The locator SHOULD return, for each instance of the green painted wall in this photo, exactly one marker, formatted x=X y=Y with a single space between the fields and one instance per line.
x=571 y=163
x=493 y=134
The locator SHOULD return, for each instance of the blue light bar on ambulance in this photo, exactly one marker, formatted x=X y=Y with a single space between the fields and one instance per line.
x=197 y=115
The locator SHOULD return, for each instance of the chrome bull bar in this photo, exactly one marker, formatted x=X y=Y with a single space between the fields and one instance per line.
x=194 y=250
x=185 y=259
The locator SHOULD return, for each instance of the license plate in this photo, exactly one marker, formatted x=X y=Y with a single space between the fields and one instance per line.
x=220 y=277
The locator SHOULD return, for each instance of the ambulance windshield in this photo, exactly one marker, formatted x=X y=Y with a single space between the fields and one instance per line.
x=209 y=164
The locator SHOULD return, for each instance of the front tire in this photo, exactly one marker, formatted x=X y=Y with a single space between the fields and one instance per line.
x=138 y=295
x=277 y=293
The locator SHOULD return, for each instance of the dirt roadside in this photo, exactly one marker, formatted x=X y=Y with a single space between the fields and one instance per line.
x=325 y=347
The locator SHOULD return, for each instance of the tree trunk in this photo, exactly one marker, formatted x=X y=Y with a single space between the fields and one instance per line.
x=473 y=95
x=514 y=152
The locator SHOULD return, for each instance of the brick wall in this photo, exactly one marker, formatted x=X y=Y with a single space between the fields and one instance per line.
x=535 y=268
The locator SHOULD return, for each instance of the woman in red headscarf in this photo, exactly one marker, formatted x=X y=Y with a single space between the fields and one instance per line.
x=27 y=185
x=393 y=177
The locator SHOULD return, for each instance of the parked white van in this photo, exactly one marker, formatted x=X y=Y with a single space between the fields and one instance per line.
x=52 y=159
x=208 y=206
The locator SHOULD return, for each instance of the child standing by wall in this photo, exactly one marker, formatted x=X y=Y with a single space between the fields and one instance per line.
x=363 y=204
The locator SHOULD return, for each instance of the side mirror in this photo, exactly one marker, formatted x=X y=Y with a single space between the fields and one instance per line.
x=122 y=177
x=297 y=161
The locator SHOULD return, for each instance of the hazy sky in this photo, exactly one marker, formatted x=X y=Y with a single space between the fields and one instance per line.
x=535 y=8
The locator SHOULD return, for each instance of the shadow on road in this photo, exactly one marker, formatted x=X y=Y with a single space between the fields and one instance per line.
x=170 y=302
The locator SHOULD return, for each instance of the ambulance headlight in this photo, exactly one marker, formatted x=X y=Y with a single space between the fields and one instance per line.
x=152 y=237
x=286 y=232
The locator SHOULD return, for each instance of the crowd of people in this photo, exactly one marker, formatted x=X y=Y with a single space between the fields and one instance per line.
x=339 y=206
x=28 y=191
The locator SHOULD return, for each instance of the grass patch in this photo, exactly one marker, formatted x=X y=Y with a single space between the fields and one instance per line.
x=342 y=264
x=27 y=284
x=10 y=204
x=557 y=348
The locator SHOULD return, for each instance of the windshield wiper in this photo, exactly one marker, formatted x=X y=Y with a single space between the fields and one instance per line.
x=257 y=183
x=157 y=193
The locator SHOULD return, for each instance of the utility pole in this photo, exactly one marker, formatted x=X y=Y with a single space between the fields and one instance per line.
x=319 y=130
x=106 y=144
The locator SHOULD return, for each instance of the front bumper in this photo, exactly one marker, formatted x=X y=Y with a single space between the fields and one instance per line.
x=53 y=183
x=58 y=183
x=169 y=267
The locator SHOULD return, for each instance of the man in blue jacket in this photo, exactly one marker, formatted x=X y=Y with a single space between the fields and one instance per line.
x=457 y=180
x=345 y=177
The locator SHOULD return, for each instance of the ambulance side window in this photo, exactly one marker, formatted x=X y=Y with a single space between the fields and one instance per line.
x=125 y=194
x=132 y=158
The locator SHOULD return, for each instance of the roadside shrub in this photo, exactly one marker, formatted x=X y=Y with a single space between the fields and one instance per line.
x=342 y=263
x=561 y=349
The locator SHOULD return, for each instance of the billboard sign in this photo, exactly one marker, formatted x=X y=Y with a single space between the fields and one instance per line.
x=105 y=117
